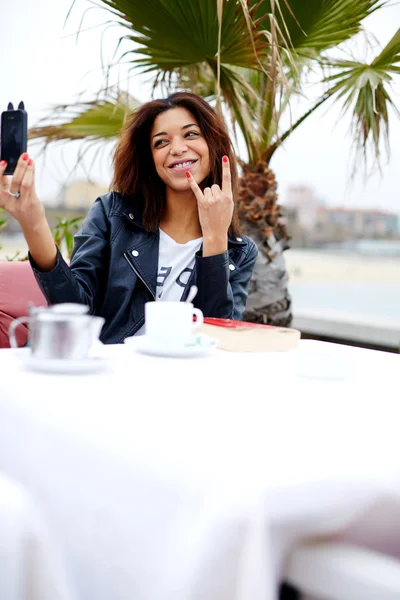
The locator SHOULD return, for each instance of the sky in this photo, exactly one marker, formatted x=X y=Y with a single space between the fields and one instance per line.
x=44 y=64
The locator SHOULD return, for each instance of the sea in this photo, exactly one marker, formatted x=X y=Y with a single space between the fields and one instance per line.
x=372 y=298
x=381 y=299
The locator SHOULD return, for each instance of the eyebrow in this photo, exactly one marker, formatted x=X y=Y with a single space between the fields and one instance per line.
x=184 y=127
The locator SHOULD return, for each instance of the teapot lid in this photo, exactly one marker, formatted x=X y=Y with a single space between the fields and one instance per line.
x=50 y=316
x=69 y=308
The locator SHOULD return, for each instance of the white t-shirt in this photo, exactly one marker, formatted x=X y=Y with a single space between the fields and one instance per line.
x=175 y=266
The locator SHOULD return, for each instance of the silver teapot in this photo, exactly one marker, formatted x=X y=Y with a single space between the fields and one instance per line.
x=62 y=331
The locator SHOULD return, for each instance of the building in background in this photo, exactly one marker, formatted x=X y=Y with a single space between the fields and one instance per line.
x=302 y=200
x=311 y=222
x=360 y=223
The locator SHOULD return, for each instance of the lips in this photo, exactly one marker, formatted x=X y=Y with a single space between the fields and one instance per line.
x=182 y=165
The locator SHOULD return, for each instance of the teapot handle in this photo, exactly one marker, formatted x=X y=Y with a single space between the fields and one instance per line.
x=11 y=330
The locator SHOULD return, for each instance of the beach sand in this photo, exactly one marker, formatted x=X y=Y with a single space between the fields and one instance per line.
x=312 y=266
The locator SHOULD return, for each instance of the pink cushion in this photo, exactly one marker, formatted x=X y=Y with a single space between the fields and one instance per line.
x=18 y=287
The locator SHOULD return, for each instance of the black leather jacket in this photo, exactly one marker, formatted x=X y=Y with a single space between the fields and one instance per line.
x=114 y=271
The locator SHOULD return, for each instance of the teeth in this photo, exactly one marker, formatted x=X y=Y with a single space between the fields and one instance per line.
x=183 y=165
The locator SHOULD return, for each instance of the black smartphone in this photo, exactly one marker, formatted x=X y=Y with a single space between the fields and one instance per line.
x=14 y=136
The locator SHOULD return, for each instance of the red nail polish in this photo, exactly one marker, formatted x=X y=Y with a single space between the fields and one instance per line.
x=25 y=156
x=2 y=163
x=30 y=162
x=187 y=174
x=225 y=159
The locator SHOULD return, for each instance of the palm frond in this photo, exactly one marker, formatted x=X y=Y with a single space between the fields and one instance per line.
x=167 y=35
x=98 y=120
x=296 y=33
x=252 y=54
x=314 y=26
x=364 y=90
x=242 y=101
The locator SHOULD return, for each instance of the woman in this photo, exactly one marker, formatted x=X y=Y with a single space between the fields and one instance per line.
x=168 y=223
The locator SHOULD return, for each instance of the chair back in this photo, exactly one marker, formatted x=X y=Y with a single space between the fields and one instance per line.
x=18 y=287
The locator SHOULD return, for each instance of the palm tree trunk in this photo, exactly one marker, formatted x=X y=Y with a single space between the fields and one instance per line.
x=261 y=218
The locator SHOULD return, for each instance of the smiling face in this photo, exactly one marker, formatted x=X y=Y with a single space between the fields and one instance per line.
x=177 y=146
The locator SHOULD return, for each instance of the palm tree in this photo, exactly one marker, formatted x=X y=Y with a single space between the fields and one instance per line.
x=250 y=57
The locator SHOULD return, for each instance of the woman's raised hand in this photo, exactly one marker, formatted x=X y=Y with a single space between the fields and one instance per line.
x=18 y=197
x=17 y=193
x=215 y=207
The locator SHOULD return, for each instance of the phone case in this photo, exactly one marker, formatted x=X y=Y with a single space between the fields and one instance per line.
x=18 y=148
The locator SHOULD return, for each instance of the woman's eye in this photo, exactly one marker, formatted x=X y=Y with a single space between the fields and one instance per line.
x=192 y=133
x=158 y=143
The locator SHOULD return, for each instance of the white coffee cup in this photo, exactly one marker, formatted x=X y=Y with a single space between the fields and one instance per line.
x=171 y=323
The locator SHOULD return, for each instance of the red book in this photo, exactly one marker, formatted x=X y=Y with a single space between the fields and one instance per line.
x=241 y=336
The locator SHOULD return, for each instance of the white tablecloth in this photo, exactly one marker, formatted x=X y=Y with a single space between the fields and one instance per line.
x=29 y=567
x=180 y=479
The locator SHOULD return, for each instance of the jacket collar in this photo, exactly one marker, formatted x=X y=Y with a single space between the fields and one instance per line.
x=131 y=210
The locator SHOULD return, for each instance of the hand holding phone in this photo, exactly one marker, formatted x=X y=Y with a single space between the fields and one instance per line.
x=14 y=135
x=18 y=197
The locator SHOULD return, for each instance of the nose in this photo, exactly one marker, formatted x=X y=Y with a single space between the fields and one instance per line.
x=178 y=146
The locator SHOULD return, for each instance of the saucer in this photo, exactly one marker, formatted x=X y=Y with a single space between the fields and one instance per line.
x=65 y=366
x=196 y=346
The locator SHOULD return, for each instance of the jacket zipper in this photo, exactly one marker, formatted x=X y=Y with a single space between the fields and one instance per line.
x=137 y=274
x=188 y=286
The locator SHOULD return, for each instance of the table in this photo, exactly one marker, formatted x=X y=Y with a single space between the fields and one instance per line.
x=180 y=479
x=29 y=569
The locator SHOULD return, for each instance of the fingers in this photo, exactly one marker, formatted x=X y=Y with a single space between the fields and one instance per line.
x=208 y=195
x=26 y=202
x=4 y=180
x=19 y=173
x=226 y=177
x=194 y=187
x=215 y=192
x=28 y=179
x=4 y=185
